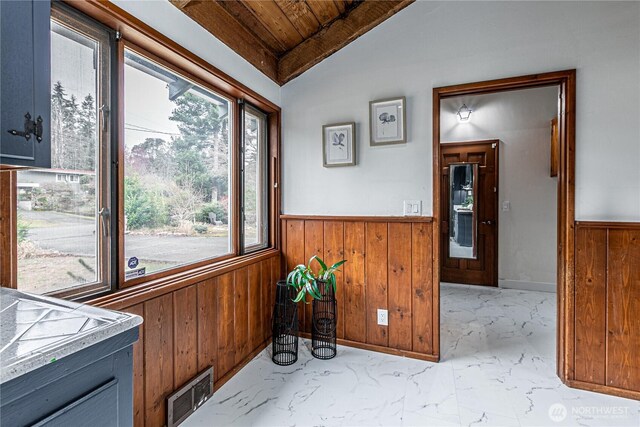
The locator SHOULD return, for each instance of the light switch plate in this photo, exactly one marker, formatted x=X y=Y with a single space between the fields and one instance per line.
x=412 y=207
x=383 y=317
x=506 y=206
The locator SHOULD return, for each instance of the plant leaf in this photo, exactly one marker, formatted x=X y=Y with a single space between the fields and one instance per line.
x=338 y=264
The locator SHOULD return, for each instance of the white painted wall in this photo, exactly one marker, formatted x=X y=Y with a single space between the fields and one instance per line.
x=527 y=232
x=432 y=44
x=167 y=19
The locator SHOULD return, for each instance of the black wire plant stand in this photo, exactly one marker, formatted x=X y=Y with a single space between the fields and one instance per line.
x=325 y=318
x=285 y=326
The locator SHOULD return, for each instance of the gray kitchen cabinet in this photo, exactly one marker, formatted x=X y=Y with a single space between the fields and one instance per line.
x=25 y=83
x=64 y=363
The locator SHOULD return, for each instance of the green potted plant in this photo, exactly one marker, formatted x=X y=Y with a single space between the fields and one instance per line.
x=321 y=286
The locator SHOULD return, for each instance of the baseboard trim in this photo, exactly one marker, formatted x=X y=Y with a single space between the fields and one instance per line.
x=528 y=286
x=604 y=389
x=382 y=349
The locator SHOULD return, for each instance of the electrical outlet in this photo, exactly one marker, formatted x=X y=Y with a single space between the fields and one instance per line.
x=383 y=317
x=412 y=207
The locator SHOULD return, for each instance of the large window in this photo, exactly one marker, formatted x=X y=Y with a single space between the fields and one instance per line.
x=61 y=238
x=159 y=166
x=177 y=194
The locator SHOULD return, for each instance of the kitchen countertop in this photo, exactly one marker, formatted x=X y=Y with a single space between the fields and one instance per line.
x=37 y=330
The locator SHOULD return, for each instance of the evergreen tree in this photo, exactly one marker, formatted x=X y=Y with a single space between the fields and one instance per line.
x=87 y=133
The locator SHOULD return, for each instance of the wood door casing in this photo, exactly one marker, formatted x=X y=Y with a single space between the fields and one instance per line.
x=484 y=269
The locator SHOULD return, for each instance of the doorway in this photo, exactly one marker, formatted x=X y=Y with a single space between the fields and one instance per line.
x=469 y=194
x=566 y=82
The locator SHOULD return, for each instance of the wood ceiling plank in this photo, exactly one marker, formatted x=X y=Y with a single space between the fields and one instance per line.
x=246 y=18
x=270 y=14
x=301 y=16
x=325 y=11
x=215 y=19
x=337 y=35
x=340 y=5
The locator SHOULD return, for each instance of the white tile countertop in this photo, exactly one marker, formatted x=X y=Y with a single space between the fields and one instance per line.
x=37 y=330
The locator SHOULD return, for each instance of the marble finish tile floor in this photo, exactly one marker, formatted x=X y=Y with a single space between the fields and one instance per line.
x=497 y=369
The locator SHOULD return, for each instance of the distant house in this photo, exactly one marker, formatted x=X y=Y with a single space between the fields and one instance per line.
x=35 y=178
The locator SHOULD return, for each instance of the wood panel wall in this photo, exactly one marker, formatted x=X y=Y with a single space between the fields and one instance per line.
x=389 y=266
x=607 y=316
x=222 y=321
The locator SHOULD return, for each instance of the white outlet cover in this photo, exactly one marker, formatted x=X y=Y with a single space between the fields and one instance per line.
x=383 y=317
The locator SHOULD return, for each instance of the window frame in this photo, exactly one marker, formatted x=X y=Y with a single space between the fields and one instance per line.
x=131 y=32
x=124 y=45
x=263 y=147
x=104 y=36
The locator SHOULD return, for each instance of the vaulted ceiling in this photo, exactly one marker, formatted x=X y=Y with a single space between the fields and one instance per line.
x=284 y=38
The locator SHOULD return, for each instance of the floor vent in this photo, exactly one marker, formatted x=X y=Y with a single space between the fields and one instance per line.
x=185 y=401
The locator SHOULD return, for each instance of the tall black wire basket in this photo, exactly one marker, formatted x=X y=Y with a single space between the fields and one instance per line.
x=285 y=326
x=325 y=317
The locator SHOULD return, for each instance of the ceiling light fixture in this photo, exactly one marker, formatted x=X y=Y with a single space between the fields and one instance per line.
x=464 y=113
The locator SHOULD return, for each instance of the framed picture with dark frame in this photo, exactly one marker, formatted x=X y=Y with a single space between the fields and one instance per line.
x=339 y=144
x=387 y=121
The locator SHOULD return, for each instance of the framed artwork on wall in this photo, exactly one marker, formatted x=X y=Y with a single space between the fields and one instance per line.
x=339 y=144
x=387 y=121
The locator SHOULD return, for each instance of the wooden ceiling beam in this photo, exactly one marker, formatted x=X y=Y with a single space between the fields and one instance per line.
x=365 y=16
x=180 y=4
x=216 y=20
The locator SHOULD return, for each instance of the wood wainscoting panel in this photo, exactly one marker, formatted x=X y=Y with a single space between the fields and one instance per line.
x=334 y=252
x=207 y=327
x=158 y=358
x=399 y=278
x=222 y=321
x=376 y=277
x=623 y=309
x=241 y=314
x=185 y=335
x=313 y=245
x=389 y=266
x=293 y=237
x=591 y=293
x=355 y=318
x=226 y=322
x=255 y=310
x=422 y=289
x=607 y=294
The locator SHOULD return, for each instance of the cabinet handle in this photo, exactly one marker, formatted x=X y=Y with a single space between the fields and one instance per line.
x=30 y=127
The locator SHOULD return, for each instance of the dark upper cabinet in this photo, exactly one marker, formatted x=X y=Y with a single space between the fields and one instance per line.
x=25 y=83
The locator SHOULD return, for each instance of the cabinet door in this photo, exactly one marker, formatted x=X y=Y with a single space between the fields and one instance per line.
x=25 y=81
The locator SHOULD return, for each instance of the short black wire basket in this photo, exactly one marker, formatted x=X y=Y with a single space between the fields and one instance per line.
x=284 y=326
x=325 y=317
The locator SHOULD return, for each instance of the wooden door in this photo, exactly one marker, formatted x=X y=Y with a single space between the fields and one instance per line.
x=469 y=229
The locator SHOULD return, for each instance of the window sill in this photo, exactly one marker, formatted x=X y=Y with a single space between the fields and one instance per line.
x=135 y=294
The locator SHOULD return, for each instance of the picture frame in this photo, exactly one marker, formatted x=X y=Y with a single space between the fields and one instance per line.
x=388 y=121
x=339 y=144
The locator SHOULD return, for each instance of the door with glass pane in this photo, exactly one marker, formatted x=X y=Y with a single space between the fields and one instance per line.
x=469 y=232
